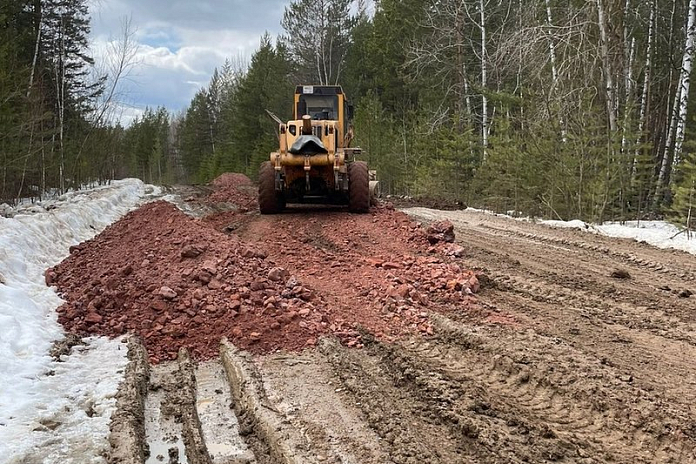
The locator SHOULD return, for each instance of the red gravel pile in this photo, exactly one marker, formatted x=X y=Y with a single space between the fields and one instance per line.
x=177 y=282
x=377 y=269
x=236 y=189
x=267 y=283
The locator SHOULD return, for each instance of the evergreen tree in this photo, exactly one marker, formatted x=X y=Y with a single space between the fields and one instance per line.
x=195 y=128
x=374 y=129
x=266 y=86
x=683 y=210
x=560 y=109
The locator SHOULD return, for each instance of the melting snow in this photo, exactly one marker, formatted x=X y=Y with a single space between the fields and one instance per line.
x=657 y=233
x=55 y=411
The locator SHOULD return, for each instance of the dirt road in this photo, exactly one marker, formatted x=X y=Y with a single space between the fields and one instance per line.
x=561 y=361
x=578 y=348
x=609 y=360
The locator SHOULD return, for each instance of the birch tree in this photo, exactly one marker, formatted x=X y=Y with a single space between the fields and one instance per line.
x=553 y=59
x=646 y=80
x=318 y=36
x=680 y=108
x=607 y=71
x=442 y=56
x=446 y=56
x=577 y=106
x=685 y=79
x=484 y=76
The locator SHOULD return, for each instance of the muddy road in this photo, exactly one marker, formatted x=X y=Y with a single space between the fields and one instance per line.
x=580 y=349
x=603 y=328
x=576 y=348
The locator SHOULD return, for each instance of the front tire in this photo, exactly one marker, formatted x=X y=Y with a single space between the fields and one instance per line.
x=358 y=187
x=270 y=201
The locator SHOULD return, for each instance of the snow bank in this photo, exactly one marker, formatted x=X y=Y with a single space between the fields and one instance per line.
x=661 y=234
x=657 y=233
x=54 y=411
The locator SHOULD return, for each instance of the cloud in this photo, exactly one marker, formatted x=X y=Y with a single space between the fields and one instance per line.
x=242 y=15
x=126 y=114
x=180 y=43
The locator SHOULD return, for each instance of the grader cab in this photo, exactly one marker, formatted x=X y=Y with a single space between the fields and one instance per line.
x=314 y=162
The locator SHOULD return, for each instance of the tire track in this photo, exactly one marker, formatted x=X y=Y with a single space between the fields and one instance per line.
x=686 y=273
x=305 y=389
x=580 y=401
x=512 y=414
x=672 y=262
x=632 y=340
x=583 y=368
x=405 y=425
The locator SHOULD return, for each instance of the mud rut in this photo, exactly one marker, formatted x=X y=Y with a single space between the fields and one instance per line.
x=564 y=364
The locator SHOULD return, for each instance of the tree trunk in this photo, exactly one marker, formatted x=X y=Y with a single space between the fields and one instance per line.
x=672 y=124
x=554 y=68
x=552 y=47
x=628 y=49
x=610 y=91
x=629 y=95
x=212 y=125
x=37 y=12
x=60 y=69
x=685 y=80
x=646 y=82
x=484 y=112
x=463 y=100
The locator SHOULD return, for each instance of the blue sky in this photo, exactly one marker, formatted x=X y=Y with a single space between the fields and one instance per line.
x=180 y=43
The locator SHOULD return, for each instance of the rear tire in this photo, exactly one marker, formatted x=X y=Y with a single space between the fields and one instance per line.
x=358 y=187
x=270 y=201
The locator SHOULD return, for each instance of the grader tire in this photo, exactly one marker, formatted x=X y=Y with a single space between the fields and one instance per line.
x=358 y=187
x=270 y=201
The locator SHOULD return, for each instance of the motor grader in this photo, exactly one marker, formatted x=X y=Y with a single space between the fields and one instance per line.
x=314 y=162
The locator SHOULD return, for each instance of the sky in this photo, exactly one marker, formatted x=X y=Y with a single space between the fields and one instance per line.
x=179 y=44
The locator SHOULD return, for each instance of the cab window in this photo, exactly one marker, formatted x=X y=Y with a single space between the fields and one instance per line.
x=319 y=107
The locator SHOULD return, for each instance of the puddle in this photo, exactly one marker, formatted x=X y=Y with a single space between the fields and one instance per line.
x=162 y=433
x=218 y=421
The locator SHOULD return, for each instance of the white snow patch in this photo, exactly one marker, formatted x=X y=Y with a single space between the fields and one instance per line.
x=65 y=415
x=657 y=233
x=74 y=397
x=574 y=224
x=51 y=199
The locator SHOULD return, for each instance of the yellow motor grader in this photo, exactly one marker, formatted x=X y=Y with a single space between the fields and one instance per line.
x=315 y=163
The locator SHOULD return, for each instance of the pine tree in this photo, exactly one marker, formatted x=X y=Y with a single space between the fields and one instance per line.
x=64 y=42
x=374 y=129
x=683 y=210
x=266 y=86
x=572 y=101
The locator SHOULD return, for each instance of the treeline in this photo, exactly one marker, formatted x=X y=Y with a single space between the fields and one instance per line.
x=557 y=108
x=56 y=105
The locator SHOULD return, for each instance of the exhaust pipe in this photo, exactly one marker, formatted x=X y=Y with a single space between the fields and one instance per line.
x=306 y=125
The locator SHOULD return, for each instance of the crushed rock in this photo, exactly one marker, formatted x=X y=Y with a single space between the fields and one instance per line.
x=180 y=282
x=134 y=278
x=234 y=188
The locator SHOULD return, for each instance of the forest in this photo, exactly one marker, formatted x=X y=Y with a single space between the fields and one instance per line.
x=551 y=108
